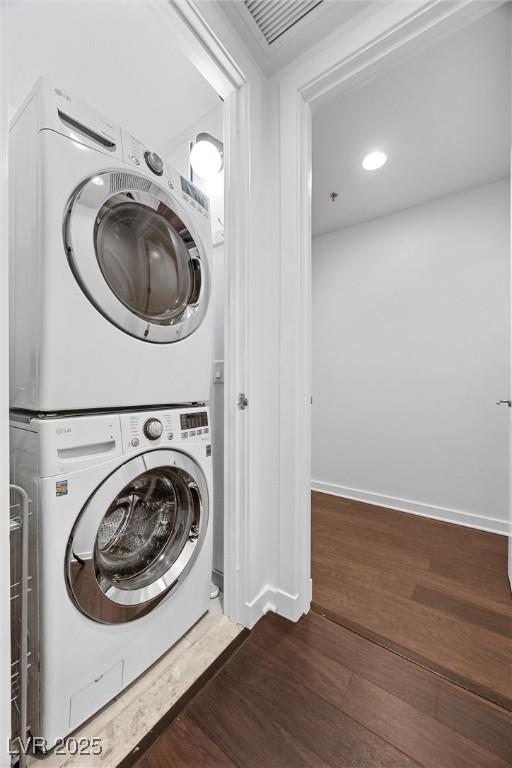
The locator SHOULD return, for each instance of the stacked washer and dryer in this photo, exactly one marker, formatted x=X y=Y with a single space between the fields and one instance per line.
x=111 y=353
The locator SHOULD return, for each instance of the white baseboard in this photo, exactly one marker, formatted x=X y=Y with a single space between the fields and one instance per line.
x=469 y=519
x=273 y=600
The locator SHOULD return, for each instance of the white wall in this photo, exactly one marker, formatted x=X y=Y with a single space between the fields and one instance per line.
x=410 y=353
x=154 y=100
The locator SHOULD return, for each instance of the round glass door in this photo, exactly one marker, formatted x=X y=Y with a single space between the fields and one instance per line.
x=137 y=537
x=135 y=257
x=144 y=261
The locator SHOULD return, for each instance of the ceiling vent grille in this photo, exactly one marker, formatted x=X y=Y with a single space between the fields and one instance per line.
x=276 y=17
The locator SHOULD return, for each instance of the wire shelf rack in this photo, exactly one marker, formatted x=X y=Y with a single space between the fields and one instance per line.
x=21 y=586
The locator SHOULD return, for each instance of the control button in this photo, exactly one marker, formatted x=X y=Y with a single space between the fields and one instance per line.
x=134 y=442
x=135 y=159
x=199 y=432
x=184 y=435
x=206 y=431
x=170 y=436
x=153 y=429
x=154 y=162
x=192 y=433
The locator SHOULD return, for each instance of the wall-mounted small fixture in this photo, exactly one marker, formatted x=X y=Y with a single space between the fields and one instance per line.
x=207 y=156
x=333 y=196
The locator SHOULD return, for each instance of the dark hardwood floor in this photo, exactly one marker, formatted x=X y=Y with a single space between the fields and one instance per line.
x=405 y=660
x=434 y=592
x=316 y=695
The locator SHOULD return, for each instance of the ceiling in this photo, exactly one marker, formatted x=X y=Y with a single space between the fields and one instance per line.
x=442 y=117
x=115 y=56
x=320 y=21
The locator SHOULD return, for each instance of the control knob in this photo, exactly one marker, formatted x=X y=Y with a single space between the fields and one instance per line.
x=153 y=429
x=154 y=162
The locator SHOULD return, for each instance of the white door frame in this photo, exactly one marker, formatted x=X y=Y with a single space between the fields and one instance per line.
x=207 y=42
x=389 y=33
x=252 y=578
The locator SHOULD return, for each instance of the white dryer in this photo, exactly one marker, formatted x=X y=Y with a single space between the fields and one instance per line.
x=123 y=509
x=110 y=266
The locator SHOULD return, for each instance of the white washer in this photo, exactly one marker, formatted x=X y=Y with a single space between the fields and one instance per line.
x=110 y=266
x=122 y=503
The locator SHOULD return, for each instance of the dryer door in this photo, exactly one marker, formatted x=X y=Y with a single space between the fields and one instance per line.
x=137 y=537
x=136 y=257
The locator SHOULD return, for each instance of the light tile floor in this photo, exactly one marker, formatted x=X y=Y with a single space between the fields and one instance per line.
x=122 y=724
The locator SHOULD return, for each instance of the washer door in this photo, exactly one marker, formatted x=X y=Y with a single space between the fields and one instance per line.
x=135 y=256
x=137 y=537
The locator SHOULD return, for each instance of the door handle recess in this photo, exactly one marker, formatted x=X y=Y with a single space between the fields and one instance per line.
x=504 y=402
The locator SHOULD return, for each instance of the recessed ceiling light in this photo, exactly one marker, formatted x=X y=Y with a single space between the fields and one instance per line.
x=374 y=160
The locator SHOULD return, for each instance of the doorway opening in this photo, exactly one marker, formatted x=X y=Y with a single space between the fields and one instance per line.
x=411 y=351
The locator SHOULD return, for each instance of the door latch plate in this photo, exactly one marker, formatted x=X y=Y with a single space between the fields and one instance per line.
x=243 y=401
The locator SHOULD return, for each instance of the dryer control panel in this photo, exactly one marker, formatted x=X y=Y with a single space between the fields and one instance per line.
x=152 y=429
x=139 y=156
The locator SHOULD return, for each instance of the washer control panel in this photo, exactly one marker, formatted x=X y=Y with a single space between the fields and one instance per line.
x=151 y=429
